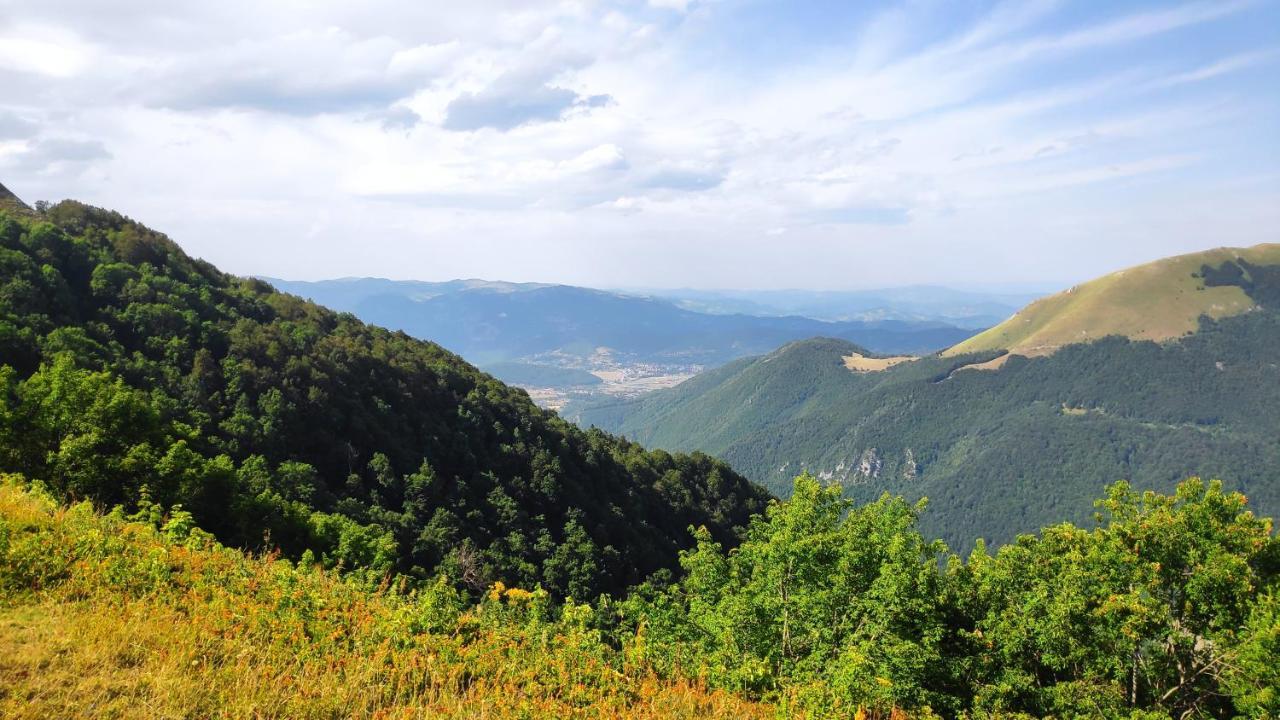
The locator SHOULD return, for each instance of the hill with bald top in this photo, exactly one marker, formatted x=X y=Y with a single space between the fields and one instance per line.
x=1148 y=374
x=1158 y=301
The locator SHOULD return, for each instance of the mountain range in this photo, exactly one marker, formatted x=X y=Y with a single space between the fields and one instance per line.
x=1150 y=374
x=496 y=322
x=920 y=303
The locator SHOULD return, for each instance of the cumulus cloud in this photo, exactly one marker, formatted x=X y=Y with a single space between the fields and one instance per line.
x=14 y=126
x=43 y=50
x=55 y=156
x=514 y=100
x=302 y=73
x=398 y=118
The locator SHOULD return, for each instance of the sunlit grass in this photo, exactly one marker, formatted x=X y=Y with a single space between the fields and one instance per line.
x=107 y=618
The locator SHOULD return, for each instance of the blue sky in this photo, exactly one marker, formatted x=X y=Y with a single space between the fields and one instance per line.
x=708 y=143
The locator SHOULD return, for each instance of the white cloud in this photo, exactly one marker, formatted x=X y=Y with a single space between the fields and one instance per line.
x=1218 y=68
x=678 y=5
x=43 y=51
x=1135 y=27
x=600 y=141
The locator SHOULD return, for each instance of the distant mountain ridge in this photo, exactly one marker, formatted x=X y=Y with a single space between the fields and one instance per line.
x=962 y=308
x=1001 y=442
x=492 y=322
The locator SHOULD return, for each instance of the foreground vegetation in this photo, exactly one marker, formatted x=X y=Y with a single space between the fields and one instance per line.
x=145 y=616
x=1169 y=608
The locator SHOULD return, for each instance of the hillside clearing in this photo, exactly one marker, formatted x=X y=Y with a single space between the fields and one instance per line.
x=860 y=363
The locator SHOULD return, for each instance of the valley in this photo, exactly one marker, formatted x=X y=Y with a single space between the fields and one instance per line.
x=613 y=380
x=523 y=332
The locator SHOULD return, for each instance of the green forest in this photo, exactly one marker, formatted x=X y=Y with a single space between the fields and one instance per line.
x=130 y=372
x=997 y=452
x=222 y=500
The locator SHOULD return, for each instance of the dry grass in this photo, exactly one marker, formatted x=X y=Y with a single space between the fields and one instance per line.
x=862 y=364
x=134 y=660
x=104 y=618
x=1158 y=301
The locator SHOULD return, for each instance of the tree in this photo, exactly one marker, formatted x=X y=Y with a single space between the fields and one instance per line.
x=839 y=600
x=87 y=433
x=1144 y=611
x=1253 y=674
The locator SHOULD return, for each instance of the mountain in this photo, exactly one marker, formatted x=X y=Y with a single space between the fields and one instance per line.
x=1004 y=442
x=1158 y=301
x=920 y=303
x=490 y=322
x=133 y=374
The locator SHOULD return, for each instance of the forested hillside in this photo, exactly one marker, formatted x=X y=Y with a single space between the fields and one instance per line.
x=999 y=450
x=131 y=373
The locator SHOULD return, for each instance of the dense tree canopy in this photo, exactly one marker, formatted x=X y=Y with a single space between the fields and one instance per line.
x=131 y=372
x=1166 y=607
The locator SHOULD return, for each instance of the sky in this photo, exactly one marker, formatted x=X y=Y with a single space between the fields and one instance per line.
x=667 y=143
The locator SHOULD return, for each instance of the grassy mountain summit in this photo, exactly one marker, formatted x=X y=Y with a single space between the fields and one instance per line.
x=133 y=374
x=1004 y=451
x=1157 y=301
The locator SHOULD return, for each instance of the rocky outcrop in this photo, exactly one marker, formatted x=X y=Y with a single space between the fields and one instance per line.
x=910 y=471
x=870 y=465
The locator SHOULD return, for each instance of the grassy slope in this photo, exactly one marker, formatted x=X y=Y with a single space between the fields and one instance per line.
x=857 y=362
x=1157 y=301
x=108 y=618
